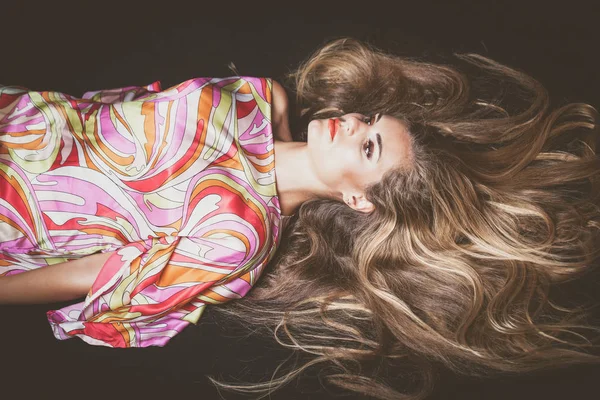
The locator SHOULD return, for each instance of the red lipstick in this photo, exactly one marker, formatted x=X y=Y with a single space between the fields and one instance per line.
x=333 y=127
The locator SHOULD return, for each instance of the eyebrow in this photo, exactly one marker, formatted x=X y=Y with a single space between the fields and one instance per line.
x=379 y=142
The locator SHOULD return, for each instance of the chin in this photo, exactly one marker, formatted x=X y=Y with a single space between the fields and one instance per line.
x=314 y=140
x=310 y=130
x=314 y=130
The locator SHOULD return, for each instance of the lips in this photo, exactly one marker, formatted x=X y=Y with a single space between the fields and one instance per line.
x=333 y=127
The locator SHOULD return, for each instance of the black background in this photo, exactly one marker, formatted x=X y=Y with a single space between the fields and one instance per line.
x=100 y=45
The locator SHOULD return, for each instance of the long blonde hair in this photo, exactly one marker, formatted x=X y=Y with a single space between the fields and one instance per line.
x=457 y=265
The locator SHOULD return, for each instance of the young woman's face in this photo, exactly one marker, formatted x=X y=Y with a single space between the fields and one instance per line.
x=353 y=151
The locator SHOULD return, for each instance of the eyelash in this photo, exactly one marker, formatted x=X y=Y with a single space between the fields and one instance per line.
x=369 y=120
x=369 y=145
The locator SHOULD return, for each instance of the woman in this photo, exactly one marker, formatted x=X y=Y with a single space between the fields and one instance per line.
x=431 y=212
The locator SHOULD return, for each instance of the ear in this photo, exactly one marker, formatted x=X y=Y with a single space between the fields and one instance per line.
x=359 y=202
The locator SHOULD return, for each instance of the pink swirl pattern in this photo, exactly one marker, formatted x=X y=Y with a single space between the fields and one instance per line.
x=180 y=182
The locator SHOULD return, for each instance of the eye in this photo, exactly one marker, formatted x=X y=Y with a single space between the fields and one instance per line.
x=368 y=148
x=369 y=120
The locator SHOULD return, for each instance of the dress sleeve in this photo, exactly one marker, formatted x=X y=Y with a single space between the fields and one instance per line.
x=118 y=95
x=148 y=291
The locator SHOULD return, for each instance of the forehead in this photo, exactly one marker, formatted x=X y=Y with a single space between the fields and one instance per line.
x=397 y=143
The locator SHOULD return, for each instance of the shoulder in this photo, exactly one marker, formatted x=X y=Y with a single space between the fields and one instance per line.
x=278 y=90
x=279 y=117
x=280 y=98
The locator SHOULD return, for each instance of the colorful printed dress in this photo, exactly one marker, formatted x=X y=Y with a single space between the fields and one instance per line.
x=180 y=182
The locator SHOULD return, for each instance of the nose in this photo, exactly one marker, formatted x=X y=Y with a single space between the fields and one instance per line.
x=352 y=124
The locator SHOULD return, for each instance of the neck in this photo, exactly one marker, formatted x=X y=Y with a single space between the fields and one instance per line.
x=295 y=180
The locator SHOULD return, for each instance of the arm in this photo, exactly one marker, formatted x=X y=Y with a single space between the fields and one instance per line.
x=59 y=282
x=155 y=288
x=127 y=93
x=279 y=114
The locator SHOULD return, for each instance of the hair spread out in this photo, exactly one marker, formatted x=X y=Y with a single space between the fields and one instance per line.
x=457 y=265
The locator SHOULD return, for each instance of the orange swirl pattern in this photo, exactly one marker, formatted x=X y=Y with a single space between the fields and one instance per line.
x=180 y=182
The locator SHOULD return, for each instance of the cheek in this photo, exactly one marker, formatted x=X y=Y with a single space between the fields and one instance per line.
x=360 y=175
x=351 y=171
x=353 y=177
x=345 y=172
x=329 y=167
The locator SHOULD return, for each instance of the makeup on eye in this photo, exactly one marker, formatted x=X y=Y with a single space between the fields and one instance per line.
x=369 y=119
x=368 y=146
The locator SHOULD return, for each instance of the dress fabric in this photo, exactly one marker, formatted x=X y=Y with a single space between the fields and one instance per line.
x=180 y=182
